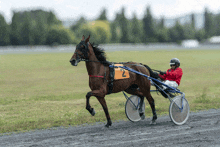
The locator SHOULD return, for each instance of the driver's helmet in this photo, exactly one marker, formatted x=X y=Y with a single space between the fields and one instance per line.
x=175 y=61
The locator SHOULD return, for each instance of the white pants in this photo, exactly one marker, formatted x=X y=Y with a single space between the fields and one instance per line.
x=170 y=83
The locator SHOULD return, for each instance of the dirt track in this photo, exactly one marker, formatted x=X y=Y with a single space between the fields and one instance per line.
x=202 y=129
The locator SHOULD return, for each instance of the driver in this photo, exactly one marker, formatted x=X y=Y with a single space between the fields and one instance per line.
x=172 y=76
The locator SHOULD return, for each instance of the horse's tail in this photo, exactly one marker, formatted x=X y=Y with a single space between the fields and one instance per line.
x=156 y=76
x=152 y=74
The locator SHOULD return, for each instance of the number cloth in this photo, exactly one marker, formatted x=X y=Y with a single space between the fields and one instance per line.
x=121 y=73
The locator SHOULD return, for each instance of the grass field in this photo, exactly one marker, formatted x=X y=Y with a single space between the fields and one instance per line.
x=39 y=91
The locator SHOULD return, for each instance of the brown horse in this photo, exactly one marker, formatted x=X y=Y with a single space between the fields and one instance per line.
x=99 y=78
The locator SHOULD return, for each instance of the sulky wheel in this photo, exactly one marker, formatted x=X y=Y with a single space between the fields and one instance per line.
x=131 y=108
x=178 y=114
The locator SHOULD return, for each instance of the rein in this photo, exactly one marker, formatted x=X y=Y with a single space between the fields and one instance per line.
x=110 y=62
x=156 y=70
x=79 y=58
x=96 y=76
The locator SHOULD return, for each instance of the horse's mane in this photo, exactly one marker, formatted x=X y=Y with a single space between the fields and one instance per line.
x=100 y=54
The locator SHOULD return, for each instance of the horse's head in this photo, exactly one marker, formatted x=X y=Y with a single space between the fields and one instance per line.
x=82 y=52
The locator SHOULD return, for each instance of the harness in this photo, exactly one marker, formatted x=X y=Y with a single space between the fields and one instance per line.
x=111 y=68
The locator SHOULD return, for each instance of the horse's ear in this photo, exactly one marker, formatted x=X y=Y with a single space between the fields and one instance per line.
x=83 y=38
x=87 y=40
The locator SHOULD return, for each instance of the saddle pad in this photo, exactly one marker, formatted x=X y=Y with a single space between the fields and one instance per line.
x=121 y=73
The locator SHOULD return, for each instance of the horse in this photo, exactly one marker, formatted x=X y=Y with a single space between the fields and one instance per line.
x=99 y=78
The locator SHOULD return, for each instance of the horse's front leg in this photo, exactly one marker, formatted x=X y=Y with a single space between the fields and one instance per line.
x=105 y=108
x=99 y=93
x=88 y=107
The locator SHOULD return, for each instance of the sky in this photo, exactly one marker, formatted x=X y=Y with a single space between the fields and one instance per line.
x=91 y=9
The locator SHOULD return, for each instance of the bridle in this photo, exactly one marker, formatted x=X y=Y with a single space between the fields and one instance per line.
x=83 y=50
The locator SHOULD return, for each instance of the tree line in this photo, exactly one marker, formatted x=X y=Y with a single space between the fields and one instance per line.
x=38 y=27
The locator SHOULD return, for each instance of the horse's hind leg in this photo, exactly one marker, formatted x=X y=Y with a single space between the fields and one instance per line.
x=141 y=111
x=105 y=108
x=152 y=105
x=133 y=89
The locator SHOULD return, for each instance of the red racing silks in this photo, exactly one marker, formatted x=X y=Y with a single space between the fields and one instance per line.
x=173 y=75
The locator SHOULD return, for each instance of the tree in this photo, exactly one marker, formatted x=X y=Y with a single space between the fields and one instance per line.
x=36 y=27
x=76 y=27
x=114 y=38
x=135 y=30
x=161 y=32
x=179 y=28
x=86 y=30
x=189 y=31
x=208 y=24
x=15 y=34
x=177 y=32
x=123 y=23
x=102 y=15
x=161 y=24
x=58 y=35
x=4 y=32
x=80 y=22
x=101 y=36
x=100 y=30
x=148 y=26
x=40 y=32
x=173 y=34
x=193 y=21
x=27 y=31
x=52 y=20
x=217 y=22
x=163 y=35
x=116 y=29
x=200 y=34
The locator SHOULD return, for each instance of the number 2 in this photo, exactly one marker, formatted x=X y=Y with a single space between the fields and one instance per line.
x=123 y=74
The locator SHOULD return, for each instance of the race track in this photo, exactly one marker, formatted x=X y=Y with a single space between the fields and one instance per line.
x=202 y=129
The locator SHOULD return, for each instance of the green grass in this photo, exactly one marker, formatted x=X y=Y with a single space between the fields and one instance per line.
x=39 y=91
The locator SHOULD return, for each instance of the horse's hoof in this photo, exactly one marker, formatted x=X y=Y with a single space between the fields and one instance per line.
x=93 y=112
x=142 y=115
x=153 y=122
x=108 y=124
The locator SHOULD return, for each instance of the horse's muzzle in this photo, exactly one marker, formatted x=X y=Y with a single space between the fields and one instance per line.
x=74 y=62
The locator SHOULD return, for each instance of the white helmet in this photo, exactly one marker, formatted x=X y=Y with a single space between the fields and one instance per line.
x=175 y=61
